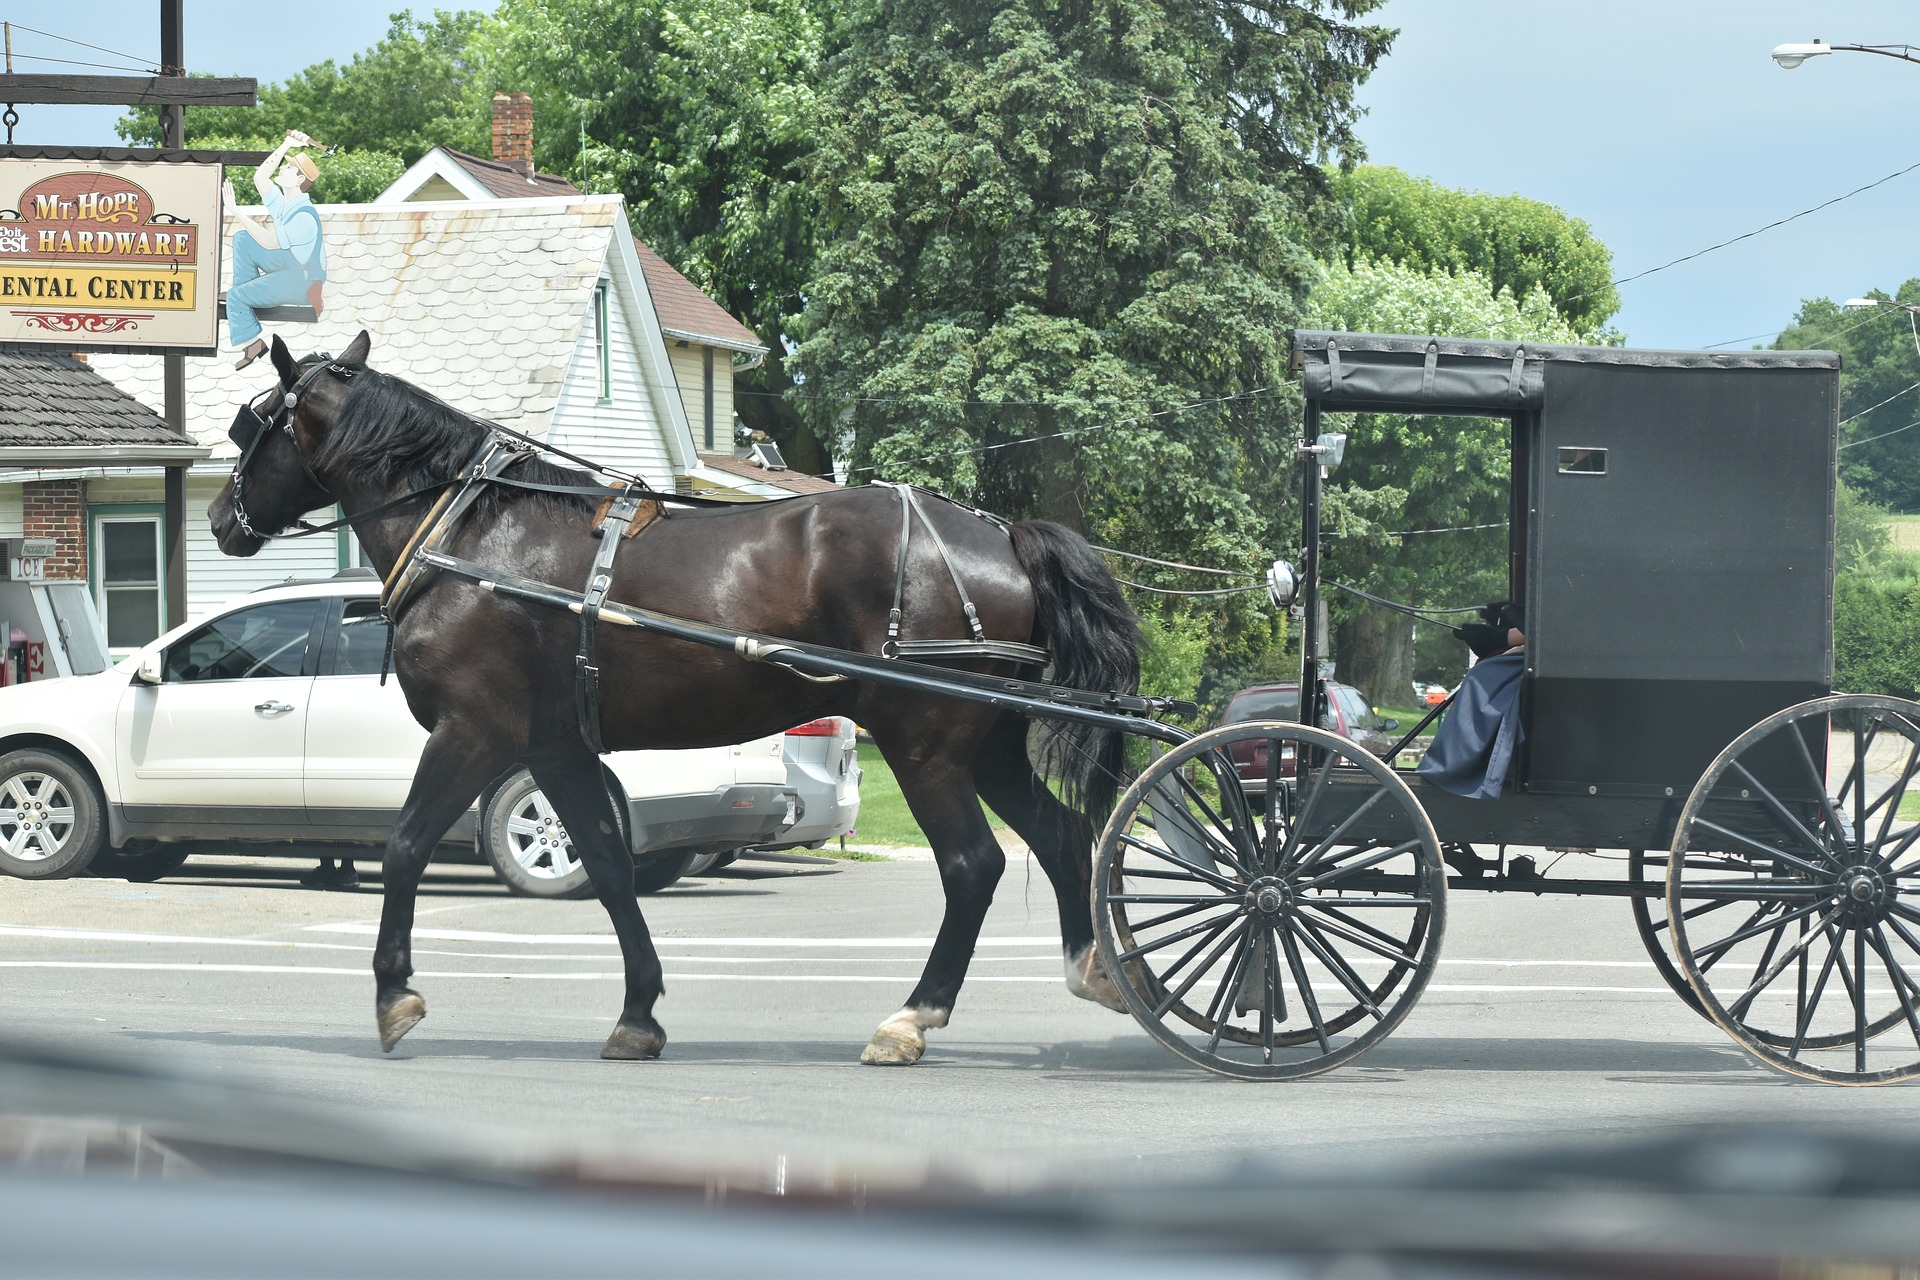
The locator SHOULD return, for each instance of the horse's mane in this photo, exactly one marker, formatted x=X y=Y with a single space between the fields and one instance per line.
x=390 y=433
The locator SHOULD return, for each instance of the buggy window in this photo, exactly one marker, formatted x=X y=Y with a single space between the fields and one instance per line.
x=270 y=640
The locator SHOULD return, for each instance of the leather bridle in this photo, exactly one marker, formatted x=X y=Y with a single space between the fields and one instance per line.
x=250 y=427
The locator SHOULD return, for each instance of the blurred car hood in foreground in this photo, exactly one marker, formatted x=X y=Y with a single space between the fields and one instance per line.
x=120 y=1169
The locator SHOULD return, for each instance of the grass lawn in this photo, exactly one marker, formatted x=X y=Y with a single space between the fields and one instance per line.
x=884 y=818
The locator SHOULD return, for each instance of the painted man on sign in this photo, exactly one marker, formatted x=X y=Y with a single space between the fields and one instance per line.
x=280 y=264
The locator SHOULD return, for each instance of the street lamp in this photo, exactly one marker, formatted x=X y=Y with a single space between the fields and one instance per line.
x=1790 y=56
x=1855 y=304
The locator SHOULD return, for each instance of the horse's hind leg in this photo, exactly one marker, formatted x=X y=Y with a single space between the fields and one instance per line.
x=1062 y=843
x=457 y=762
x=944 y=803
x=577 y=789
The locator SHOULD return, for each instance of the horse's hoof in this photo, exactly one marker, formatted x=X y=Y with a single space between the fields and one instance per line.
x=634 y=1044
x=399 y=1016
x=1086 y=979
x=894 y=1045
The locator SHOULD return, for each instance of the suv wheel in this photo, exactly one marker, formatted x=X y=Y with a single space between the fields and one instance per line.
x=521 y=836
x=51 y=815
x=141 y=861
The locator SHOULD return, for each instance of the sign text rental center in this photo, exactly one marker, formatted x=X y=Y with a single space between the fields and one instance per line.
x=109 y=254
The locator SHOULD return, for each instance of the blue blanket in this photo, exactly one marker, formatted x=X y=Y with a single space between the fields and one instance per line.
x=1474 y=745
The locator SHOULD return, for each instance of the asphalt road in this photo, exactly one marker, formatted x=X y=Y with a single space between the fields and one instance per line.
x=1544 y=1021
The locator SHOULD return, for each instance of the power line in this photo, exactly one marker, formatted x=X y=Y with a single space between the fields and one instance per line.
x=130 y=57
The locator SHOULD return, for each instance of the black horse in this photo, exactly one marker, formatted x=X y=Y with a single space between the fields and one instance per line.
x=492 y=678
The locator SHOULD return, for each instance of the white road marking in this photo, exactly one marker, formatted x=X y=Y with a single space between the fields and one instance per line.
x=607 y=939
x=1050 y=980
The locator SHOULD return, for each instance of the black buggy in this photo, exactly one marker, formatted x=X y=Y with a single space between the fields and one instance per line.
x=1672 y=538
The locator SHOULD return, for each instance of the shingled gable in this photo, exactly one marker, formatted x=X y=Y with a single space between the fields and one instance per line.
x=481 y=303
x=685 y=313
x=56 y=411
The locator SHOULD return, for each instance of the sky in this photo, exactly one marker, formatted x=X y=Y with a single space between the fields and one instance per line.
x=1665 y=126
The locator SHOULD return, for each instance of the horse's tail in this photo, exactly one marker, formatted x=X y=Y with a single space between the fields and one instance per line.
x=1081 y=617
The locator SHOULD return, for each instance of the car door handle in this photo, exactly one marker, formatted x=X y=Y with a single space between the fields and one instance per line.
x=272 y=708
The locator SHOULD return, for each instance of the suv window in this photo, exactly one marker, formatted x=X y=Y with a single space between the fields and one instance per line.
x=266 y=640
x=1359 y=714
x=361 y=643
x=1263 y=704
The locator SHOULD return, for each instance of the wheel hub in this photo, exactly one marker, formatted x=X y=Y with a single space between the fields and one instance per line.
x=1864 y=895
x=1269 y=897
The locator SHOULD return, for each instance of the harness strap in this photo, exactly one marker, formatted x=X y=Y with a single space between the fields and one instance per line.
x=410 y=572
x=892 y=646
x=966 y=602
x=616 y=525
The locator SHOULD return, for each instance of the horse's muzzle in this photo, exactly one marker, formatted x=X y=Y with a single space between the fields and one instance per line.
x=232 y=539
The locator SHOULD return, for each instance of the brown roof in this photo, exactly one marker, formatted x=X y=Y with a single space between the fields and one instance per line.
x=684 y=311
x=506 y=180
x=791 y=481
x=52 y=400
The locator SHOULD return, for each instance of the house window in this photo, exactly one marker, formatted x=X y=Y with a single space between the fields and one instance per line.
x=126 y=578
x=603 y=340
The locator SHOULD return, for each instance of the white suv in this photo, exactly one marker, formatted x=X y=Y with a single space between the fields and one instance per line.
x=268 y=723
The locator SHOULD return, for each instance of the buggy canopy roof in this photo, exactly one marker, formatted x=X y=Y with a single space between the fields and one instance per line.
x=1403 y=373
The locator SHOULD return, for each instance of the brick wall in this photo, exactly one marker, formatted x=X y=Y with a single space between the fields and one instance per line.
x=57 y=509
x=513 y=130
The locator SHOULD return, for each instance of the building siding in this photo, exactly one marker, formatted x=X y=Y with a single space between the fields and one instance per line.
x=689 y=371
x=622 y=431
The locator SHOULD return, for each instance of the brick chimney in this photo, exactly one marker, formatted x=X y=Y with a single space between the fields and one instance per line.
x=513 y=131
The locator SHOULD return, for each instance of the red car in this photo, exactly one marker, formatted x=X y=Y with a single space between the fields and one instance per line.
x=1347 y=715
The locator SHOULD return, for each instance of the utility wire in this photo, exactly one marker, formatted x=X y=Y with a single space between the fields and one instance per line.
x=69 y=62
x=130 y=57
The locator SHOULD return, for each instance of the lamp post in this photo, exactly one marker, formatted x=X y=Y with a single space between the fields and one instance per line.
x=1790 y=56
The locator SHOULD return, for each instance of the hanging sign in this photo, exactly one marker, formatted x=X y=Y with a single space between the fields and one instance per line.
x=110 y=255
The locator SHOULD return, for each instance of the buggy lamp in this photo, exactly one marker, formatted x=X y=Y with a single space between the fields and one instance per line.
x=1330 y=448
x=1283 y=584
x=1790 y=56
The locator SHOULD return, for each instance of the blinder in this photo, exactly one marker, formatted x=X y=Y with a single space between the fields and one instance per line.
x=250 y=427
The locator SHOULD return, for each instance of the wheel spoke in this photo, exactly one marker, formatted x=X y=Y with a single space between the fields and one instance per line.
x=1305 y=988
x=1229 y=852
x=1361 y=940
x=1199 y=970
x=1134 y=953
x=1902 y=984
x=1309 y=803
x=1755 y=890
x=1326 y=908
x=1766 y=850
x=1223 y=997
x=1714 y=951
x=1172 y=811
x=1333 y=838
x=1739 y=1007
x=1809 y=1002
x=1781 y=812
x=1342 y=872
x=1168 y=917
x=1204 y=873
x=1275 y=1004
x=1317 y=944
x=1859 y=999
x=1820 y=785
x=1893 y=795
x=1169 y=899
x=1753 y=930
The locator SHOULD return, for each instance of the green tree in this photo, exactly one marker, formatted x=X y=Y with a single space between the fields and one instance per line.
x=1880 y=363
x=1405 y=475
x=1516 y=243
x=1067 y=240
x=700 y=112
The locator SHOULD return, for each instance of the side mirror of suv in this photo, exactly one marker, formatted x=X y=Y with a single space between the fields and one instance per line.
x=152 y=668
x=1389 y=725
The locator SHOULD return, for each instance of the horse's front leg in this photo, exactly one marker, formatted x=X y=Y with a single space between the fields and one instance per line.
x=577 y=789
x=458 y=761
x=971 y=863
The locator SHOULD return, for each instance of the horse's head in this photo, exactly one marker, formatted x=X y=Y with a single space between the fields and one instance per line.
x=273 y=482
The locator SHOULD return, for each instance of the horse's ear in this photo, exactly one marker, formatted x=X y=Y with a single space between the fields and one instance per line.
x=356 y=352
x=284 y=362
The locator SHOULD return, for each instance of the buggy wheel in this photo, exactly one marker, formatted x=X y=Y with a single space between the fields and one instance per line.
x=1793 y=888
x=1656 y=931
x=1276 y=945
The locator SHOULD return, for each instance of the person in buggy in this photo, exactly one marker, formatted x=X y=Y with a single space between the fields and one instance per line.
x=1474 y=745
